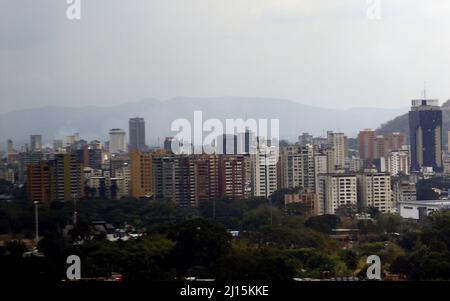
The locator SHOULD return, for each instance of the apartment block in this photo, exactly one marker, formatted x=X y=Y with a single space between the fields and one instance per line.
x=297 y=167
x=336 y=190
x=232 y=177
x=69 y=177
x=40 y=187
x=375 y=191
x=264 y=173
x=141 y=171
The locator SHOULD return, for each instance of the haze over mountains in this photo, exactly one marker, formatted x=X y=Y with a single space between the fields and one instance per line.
x=94 y=122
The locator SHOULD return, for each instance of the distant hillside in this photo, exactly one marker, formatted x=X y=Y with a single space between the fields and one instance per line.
x=94 y=122
x=401 y=123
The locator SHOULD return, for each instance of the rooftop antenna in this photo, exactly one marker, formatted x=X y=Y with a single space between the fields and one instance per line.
x=424 y=90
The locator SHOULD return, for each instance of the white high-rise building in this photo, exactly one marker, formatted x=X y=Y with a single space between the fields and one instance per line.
x=264 y=172
x=117 y=141
x=338 y=141
x=335 y=190
x=375 y=191
x=397 y=162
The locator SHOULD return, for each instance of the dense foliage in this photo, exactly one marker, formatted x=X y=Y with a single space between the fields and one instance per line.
x=274 y=242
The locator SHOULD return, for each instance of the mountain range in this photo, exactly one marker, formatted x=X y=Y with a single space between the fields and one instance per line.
x=56 y=122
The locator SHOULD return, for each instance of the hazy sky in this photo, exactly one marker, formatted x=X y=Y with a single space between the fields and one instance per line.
x=320 y=52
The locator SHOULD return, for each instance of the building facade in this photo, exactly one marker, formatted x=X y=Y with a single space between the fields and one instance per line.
x=425 y=127
x=375 y=191
x=40 y=183
x=339 y=142
x=117 y=142
x=141 y=171
x=232 y=177
x=137 y=134
x=366 y=139
x=336 y=190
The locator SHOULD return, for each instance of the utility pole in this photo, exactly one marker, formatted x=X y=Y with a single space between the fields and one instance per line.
x=271 y=213
x=75 y=213
x=36 y=219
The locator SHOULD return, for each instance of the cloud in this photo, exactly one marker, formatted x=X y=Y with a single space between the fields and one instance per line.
x=28 y=23
x=322 y=52
x=294 y=11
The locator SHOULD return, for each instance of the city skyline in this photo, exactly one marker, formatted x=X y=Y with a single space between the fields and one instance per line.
x=229 y=148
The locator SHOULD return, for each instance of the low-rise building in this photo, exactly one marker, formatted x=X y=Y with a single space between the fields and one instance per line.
x=420 y=209
x=308 y=200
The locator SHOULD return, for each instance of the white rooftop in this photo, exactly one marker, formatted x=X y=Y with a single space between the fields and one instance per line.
x=428 y=202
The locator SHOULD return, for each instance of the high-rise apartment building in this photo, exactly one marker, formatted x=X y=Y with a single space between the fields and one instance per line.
x=366 y=144
x=170 y=177
x=27 y=158
x=372 y=146
x=203 y=180
x=141 y=168
x=117 y=142
x=338 y=141
x=381 y=146
x=425 y=127
x=375 y=191
x=397 y=162
x=137 y=134
x=297 y=167
x=264 y=173
x=61 y=178
x=232 y=176
x=90 y=156
x=186 y=180
x=68 y=177
x=336 y=190
x=40 y=182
